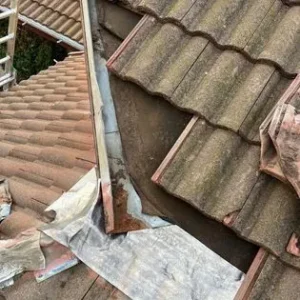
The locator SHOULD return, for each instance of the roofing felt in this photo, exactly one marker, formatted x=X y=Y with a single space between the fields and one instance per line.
x=46 y=141
x=62 y=16
x=215 y=169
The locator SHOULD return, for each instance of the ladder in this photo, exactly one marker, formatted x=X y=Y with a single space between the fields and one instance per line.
x=7 y=71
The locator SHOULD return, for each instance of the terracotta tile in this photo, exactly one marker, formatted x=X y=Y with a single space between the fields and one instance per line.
x=11 y=124
x=61 y=126
x=57 y=97
x=45 y=147
x=83 y=126
x=34 y=125
x=64 y=19
x=45 y=138
x=18 y=222
x=50 y=115
x=61 y=157
x=5 y=148
x=31 y=195
x=25 y=152
x=17 y=136
x=76 y=115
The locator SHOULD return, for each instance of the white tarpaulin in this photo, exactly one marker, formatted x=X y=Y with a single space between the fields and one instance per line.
x=161 y=263
x=5 y=199
x=20 y=254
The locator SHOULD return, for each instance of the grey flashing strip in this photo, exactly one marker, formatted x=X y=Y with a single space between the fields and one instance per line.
x=58 y=36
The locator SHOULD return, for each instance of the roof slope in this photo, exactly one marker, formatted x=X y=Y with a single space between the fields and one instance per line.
x=266 y=30
x=276 y=281
x=222 y=86
x=214 y=166
x=46 y=141
x=62 y=16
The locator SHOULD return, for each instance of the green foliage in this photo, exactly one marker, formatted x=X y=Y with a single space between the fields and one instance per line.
x=33 y=53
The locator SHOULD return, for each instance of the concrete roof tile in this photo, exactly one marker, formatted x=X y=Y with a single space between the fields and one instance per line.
x=212 y=165
x=223 y=86
x=266 y=30
x=276 y=281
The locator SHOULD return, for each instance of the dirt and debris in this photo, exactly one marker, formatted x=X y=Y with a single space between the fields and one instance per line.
x=122 y=219
x=280 y=137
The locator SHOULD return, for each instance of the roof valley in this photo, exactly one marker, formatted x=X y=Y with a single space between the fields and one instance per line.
x=216 y=168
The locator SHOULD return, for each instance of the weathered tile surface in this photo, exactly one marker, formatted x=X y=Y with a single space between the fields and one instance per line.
x=214 y=170
x=266 y=30
x=277 y=282
x=222 y=86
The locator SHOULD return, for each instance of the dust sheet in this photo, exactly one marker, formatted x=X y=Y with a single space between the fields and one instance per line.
x=159 y=263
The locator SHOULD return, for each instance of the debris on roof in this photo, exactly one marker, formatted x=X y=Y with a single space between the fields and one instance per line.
x=279 y=136
x=58 y=259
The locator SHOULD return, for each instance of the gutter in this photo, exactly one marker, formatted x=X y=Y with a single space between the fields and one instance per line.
x=121 y=203
x=57 y=36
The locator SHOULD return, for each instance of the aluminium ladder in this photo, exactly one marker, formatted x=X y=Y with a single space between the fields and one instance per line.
x=8 y=74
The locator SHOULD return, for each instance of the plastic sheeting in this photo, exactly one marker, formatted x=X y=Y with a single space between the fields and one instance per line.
x=161 y=263
x=280 y=137
x=5 y=199
x=20 y=254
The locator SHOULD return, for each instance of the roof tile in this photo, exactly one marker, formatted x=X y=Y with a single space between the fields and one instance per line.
x=213 y=165
x=31 y=195
x=63 y=16
x=223 y=86
x=266 y=30
x=41 y=153
x=276 y=281
x=18 y=222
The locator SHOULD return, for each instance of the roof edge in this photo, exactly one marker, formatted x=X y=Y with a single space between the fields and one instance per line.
x=57 y=36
